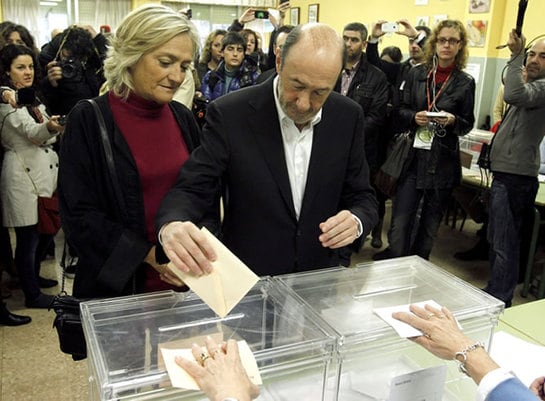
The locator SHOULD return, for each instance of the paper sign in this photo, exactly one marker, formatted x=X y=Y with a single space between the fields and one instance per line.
x=403 y=329
x=228 y=283
x=181 y=379
x=422 y=385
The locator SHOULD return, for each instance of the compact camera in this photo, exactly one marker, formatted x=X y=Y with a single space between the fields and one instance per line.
x=71 y=68
x=389 y=27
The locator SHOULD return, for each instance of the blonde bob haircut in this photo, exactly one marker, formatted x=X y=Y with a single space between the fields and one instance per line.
x=143 y=30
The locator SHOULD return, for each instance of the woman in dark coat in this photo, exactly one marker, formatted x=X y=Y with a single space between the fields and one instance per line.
x=433 y=168
x=151 y=138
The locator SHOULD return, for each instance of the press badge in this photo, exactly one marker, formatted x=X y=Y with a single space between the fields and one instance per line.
x=423 y=138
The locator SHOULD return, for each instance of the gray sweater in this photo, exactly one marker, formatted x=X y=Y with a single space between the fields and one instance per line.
x=515 y=149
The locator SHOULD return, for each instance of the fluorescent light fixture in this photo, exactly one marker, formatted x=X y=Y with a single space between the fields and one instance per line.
x=48 y=3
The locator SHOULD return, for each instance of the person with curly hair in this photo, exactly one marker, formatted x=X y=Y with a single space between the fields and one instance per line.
x=211 y=53
x=432 y=169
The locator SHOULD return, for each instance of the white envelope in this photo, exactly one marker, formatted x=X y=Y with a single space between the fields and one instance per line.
x=403 y=329
x=181 y=379
x=228 y=283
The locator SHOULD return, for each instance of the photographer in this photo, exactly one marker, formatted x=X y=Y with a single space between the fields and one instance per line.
x=73 y=61
x=29 y=168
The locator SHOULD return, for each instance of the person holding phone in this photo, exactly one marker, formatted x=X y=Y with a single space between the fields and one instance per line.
x=437 y=107
x=29 y=168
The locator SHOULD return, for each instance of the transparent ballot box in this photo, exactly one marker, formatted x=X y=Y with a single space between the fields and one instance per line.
x=370 y=352
x=293 y=352
x=470 y=148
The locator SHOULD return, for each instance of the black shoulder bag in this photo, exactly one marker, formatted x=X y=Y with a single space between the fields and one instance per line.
x=67 y=308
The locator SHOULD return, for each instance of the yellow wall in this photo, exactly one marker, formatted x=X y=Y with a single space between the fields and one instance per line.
x=501 y=18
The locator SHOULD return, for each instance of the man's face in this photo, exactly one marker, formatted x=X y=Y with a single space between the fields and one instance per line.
x=354 y=44
x=535 y=62
x=280 y=40
x=303 y=88
x=415 y=51
x=233 y=55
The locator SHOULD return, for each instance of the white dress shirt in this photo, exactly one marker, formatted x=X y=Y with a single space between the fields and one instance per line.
x=297 y=150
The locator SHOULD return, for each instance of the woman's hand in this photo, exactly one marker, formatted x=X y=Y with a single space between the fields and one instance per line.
x=537 y=387
x=53 y=125
x=443 y=338
x=421 y=119
x=164 y=271
x=220 y=373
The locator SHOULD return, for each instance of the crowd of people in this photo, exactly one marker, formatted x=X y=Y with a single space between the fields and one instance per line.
x=138 y=178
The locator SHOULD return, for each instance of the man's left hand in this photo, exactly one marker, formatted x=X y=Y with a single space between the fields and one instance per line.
x=339 y=230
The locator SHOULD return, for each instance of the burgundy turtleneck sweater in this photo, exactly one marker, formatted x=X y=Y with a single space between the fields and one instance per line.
x=443 y=72
x=159 y=150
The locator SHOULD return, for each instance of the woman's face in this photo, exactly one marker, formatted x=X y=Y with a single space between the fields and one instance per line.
x=250 y=44
x=215 y=48
x=15 y=39
x=21 y=72
x=159 y=73
x=448 y=45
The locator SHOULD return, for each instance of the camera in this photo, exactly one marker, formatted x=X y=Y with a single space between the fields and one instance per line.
x=261 y=14
x=25 y=96
x=61 y=120
x=71 y=68
x=389 y=27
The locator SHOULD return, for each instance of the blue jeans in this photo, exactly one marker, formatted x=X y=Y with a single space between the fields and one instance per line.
x=411 y=233
x=512 y=197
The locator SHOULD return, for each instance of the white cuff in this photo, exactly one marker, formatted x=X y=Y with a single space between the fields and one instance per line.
x=491 y=380
x=360 y=225
x=372 y=39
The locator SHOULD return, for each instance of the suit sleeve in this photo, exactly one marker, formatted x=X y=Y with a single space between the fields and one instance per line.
x=510 y=390
x=195 y=193
x=390 y=69
x=358 y=195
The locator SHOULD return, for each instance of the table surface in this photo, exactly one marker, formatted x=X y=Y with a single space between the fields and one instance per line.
x=525 y=319
x=473 y=178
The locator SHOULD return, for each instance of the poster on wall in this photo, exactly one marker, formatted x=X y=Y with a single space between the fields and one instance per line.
x=476 y=32
x=423 y=20
x=313 y=12
x=294 y=16
x=438 y=18
x=420 y=2
x=479 y=6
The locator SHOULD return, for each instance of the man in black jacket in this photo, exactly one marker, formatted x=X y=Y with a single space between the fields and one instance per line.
x=73 y=61
x=367 y=86
x=396 y=73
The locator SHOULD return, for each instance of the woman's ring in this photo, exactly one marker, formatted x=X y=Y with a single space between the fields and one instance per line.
x=204 y=357
x=427 y=335
x=430 y=315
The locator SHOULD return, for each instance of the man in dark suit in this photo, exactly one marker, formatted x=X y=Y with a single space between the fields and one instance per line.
x=289 y=155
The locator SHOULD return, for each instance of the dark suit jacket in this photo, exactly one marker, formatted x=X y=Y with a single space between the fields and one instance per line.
x=242 y=145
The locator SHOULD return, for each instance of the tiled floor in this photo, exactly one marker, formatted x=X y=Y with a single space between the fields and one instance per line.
x=33 y=369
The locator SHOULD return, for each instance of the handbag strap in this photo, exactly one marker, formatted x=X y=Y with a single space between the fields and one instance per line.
x=106 y=145
x=109 y=159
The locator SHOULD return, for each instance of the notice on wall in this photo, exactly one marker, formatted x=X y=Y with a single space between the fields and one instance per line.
x=473 y=69
x=420 y=2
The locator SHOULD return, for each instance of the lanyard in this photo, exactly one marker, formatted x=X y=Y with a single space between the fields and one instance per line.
x=443 y=86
